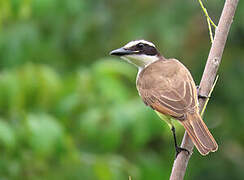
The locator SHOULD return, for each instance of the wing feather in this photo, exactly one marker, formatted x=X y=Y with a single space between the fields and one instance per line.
x=169 y=93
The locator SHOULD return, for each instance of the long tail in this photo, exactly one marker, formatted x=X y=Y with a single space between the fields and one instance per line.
x=199 y=134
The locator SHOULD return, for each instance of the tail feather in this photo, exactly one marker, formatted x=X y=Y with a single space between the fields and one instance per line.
x=202 y=149
x=199 y=133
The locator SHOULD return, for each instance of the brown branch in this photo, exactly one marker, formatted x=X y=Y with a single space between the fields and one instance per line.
x=209 y=74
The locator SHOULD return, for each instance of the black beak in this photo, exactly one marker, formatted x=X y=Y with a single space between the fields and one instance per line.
x=121 y=52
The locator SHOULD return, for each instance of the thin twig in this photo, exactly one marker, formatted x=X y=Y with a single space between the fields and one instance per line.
x=207 y=81
x=206 y=13
x=209 y=95
x=210 y=30
x=209 y=21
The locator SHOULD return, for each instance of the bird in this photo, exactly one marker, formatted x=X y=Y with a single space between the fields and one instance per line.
x=167 y=86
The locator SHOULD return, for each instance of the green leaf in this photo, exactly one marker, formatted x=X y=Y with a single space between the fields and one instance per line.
x=45 y=133
x=7 y=135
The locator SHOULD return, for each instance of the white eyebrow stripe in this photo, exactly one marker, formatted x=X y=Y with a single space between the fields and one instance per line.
x=133 y=43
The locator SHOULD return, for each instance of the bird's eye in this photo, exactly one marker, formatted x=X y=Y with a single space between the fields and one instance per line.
x=140 y=45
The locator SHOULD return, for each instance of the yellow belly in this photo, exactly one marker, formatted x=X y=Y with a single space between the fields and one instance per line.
x=167 y=119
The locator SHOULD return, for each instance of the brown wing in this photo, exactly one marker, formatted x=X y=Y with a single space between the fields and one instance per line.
x=167 y=86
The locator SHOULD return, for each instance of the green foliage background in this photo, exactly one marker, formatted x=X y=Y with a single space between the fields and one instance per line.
x=69 y=111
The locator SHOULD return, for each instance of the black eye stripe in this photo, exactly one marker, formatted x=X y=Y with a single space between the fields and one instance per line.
x=146 y=49
x=140 y=45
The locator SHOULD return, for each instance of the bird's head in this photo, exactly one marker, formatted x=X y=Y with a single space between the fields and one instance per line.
x=139 y=53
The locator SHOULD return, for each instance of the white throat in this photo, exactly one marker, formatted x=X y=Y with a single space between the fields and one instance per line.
x=140 y=60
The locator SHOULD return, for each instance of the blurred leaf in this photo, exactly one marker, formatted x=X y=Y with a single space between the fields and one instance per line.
x=7 y=135
x=45 y=133
x=89 y=123
x=113 y=67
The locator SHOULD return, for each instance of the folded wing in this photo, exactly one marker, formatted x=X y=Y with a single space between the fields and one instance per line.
x=167 y=87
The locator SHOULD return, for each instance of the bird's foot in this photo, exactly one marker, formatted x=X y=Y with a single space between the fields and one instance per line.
x=179 y=149
x=200 y=95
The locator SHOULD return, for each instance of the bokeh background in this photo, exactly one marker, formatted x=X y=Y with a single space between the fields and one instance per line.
x=70 y=111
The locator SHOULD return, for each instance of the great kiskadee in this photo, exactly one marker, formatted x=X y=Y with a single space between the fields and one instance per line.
x=167 y=86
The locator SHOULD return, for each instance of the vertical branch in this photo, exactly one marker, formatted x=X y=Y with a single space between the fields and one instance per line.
x=209 y=74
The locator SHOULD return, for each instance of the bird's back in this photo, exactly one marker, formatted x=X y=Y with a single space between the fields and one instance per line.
x=167 y=86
